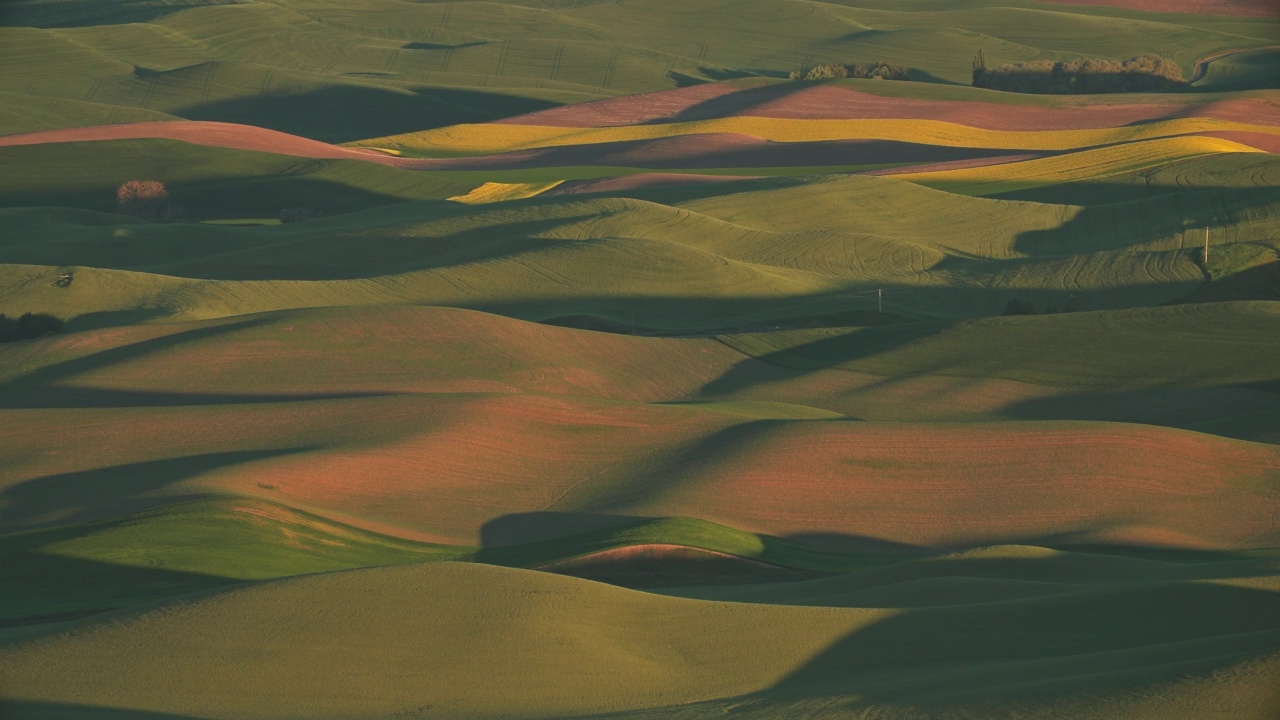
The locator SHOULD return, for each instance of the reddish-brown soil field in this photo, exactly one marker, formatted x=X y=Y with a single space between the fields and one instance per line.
x=807 y=101
x=465 y=419
x=1253 y=8
x=215 y=134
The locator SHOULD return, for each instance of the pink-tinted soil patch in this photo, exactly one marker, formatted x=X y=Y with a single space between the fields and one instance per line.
x=213 y=134
x=807 y=101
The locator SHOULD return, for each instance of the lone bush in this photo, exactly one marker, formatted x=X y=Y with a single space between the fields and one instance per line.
x=28 y=326
x=1018 y=307
x=146 y=199
x=298 y=214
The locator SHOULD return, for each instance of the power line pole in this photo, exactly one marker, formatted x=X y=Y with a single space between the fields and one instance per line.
x=1206 y=246
x=880 y=300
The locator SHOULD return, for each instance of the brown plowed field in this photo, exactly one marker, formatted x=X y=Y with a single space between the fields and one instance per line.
x=1252 y=8
x=214 y=134
x=807 y=101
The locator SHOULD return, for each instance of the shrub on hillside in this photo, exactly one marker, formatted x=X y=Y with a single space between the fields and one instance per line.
x=1080 y=76
x=146 y=199
x=30 y=325
x=1018 y=307
x=827 y=71
x=298 y=214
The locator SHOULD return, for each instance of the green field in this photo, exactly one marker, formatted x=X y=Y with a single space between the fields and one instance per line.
x=628 y=379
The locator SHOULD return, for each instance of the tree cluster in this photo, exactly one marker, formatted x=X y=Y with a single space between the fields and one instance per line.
x=146 y=199
x=1080 y=76
x=879 y=71
x=30 y=325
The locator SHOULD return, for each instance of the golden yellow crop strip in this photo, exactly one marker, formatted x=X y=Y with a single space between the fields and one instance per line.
x=492 y=192
x=495 y=137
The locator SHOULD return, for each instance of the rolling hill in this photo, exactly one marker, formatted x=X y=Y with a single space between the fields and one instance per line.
x=545 y=358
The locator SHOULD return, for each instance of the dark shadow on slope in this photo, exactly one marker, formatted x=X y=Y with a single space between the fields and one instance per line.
x=37 y=710
x=46 y=587
x=1170 y=407
x=1108 y=641
x=254 y=196
x=637 y=552
x=58 y=396
x=1179 y=178
x=822 y=353
x=1261 y=282
x=53 y=373
x=85 y=13
x=1128 y=224
x=326 y=249
x=723 y=150
x=734 y=102
x=113 y=490
x=344 y=112
x=522 y=528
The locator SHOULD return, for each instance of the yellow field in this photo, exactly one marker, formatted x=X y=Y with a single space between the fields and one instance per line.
x=492 y=192
x=495 y=138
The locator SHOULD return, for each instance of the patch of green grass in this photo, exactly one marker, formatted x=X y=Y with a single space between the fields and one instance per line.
x=67 y=571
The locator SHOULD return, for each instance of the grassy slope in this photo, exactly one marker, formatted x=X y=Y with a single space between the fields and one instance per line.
x=381 y=429
x=566 y=428
x=87 y=568
x=472 y=61
x=764 y=252
x=1045 y=653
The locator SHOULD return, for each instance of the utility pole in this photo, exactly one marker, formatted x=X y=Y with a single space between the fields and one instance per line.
x=880 y=300
x=1206 y=246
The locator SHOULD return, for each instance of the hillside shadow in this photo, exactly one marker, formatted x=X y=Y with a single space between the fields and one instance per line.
x=569 y=543
x=698 y=152
x=342 y=113
x=86 y=13
x=51 y=587
x=1092 y=194
x=1184 y=407
x=820 y=354
x=325 y=249
x=529 y=527
x=52 y=373
x=113 y=490
x=37 y=710
x=734 y=102
x=54 y=396
x=1040 y=649
x=249 y=196
x=1144 y=220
